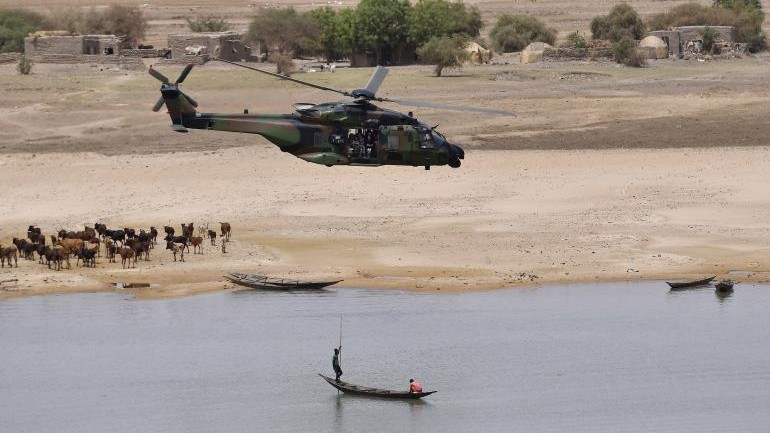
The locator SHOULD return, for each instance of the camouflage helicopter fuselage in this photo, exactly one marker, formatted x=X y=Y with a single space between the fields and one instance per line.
x=340 y=133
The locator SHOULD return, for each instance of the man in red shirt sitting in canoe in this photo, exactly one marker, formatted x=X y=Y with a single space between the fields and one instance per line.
x=414 y=386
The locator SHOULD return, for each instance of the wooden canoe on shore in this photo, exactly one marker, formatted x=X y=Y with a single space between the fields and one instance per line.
x=269 y=283
x=349 y=388
x=688 y=284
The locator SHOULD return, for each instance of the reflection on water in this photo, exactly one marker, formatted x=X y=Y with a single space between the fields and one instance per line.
x=629 y=357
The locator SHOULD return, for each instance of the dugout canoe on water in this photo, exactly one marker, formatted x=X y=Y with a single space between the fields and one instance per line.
x=688 y=284
x=349 y=388
x=255 y=281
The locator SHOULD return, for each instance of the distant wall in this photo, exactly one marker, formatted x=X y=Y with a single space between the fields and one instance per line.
x=38 y=45
x=690 y=33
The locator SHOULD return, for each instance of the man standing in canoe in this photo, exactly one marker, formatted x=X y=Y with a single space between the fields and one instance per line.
x=336 y=363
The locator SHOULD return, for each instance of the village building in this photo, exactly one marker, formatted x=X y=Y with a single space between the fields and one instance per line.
x=224 y=45
x=679 y=39
x=61 y=42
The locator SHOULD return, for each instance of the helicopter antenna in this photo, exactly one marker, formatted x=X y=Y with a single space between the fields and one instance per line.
x=283 y=77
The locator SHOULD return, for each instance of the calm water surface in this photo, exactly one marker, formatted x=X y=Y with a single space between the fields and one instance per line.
x=629 y=357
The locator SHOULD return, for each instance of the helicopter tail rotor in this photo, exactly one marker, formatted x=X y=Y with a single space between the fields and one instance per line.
x=177 y=102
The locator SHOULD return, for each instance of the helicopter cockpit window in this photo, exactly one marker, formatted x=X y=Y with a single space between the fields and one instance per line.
x=426 y=138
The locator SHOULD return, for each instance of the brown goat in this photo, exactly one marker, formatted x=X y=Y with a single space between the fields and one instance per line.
x=126 y=254
x=197 y=243
x=225 y=228
x=9 y=253
x=213 y=237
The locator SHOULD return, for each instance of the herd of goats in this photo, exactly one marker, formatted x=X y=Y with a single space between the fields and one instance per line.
x=130 y=244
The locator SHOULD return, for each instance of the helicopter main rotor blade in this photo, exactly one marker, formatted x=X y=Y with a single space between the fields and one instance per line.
x=185 y=73
x=283 y=77
x=454 y=107
x=378 y=76
x=162 y=78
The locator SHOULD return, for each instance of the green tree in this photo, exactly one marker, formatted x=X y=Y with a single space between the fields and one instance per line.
x=732 y=4
x=515 y=32
x=283 y=30
x=331 y=41
x=208 y=23
x=430 y=18
x=381 y=26
x=344 y=29
x=621 y=21
x=15 y=25
x=444 y=52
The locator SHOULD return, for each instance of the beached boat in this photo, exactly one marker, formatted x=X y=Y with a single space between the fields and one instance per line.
x=349 y=388
x=688 y=284
x=264 y=282
x=724 y=286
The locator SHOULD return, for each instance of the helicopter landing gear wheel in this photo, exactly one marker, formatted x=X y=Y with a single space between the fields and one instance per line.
x=455 y=163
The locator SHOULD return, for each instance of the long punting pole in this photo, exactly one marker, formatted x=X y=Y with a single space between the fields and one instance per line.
x=340 y=347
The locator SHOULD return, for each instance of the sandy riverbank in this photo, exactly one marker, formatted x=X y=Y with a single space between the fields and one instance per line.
x=506 y=218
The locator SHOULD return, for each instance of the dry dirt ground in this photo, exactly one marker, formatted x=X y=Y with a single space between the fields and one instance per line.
x=605 y=173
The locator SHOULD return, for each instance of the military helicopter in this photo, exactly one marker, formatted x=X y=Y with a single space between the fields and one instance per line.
x=354 y=132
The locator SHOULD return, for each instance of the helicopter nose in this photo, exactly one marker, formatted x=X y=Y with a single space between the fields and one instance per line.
x=458 y=151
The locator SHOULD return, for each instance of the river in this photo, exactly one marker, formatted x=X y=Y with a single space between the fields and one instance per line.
x=621 y=357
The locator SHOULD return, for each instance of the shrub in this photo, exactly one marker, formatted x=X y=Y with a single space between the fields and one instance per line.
x=208 y=23
x=515 y=32
x=24 y=66
x=709 y=36
x=15 y=25
x=444 y=52
x=283 y=63
x=576 y=40
x=625 y=52
x=622 y=21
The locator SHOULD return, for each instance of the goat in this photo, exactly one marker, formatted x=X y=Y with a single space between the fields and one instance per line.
x=28 y=252
x=154 y=235
x=213 y=237
x=111 y=250
x=169 y=230
x=140 y=248
x=188 y=230
x=100 y=228
x=176 y=249
x=225 y=228
x=178 y=240
x=9 y=253
x=197 y=243
x=126 y=254
x=89 y=257
x=41 y=250
x=56 y=255
x=203 y=229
